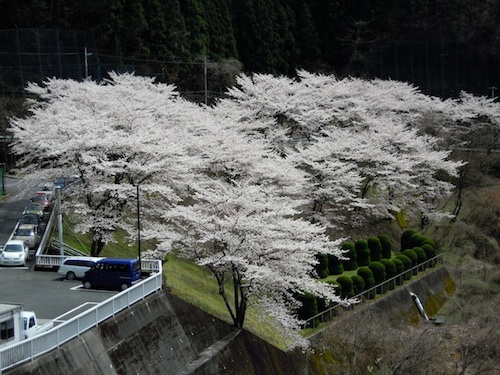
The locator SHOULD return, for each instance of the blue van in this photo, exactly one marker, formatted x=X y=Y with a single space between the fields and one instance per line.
x=113 y=274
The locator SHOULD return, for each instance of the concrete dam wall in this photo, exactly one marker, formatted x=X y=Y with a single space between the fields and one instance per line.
x=166 y=335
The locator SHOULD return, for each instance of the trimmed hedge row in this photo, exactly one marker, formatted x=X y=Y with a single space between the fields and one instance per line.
x=375 y=263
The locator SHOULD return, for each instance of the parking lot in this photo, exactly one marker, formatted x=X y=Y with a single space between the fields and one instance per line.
x=44 y=292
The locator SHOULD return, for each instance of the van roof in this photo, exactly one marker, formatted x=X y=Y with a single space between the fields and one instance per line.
x=94 y=259
x=118 y=260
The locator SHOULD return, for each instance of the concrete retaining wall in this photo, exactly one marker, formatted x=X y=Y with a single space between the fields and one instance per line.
x=396 y=307
x=165 y=335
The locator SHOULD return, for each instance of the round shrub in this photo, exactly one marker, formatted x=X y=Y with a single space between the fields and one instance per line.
x=335 y=266
x=358 y=284
x=350 y=253
x=390 y=271
x=368 y=278
x=385 y=242
x=405 y=238
x=412 y=255
x=375 y=248
x=422 y=257
x=430 y=252
x=378 y=270
x=400 y=267
x=309 y=306
x=428 y=241
x=322 y=266
x=347 y=286
x=390 y=268
x=406 y=263
x=362 y=252
x=416 y=240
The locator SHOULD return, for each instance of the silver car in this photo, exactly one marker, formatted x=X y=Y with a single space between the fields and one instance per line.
x=27 y=233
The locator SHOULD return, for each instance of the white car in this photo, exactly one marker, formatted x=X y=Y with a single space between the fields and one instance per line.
x=14 y=253
x=75 y=267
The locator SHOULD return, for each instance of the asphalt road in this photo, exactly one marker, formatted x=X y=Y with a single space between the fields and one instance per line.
x=45 y=292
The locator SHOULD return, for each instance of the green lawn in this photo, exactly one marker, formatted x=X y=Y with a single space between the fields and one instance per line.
x=198 y=286
x=185 y=279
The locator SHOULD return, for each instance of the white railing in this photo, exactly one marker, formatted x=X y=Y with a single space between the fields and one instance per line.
x=29 y=349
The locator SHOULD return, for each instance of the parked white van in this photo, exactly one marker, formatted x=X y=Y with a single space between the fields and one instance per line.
x=75 y=267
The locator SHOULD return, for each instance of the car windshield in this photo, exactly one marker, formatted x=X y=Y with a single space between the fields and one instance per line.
x=33 y=206
x=11 y=248
x=28 y=219
x=25 y=232
x=38 y=198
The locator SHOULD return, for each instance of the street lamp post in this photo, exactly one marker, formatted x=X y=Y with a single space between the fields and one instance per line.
x=138 y=224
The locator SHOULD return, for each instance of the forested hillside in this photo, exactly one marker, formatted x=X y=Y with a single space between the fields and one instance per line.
x=441 y=46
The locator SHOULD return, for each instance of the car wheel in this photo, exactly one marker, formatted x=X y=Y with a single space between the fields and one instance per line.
x=87 y=285
x=70 y=275
x=124 y=286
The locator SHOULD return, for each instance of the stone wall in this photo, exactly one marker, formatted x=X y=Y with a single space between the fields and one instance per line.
x=165 y=335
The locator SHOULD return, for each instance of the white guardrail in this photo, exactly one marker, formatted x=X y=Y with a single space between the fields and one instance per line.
x=29 y=349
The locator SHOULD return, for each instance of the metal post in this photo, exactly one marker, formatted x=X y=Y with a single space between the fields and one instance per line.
x=492 y=88
x=59 y=220
x=87 y=63
x=138 y=225
x=205 y=78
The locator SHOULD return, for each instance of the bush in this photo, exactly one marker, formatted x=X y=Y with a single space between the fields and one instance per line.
x=378 y=270
x=358 y=284
x=350 y=264
x=430 y=252
x=405 y=238
x=379 y=274
x=335 y=266
x=428 y=241
x=385 y=242
x=390 y=267
x=309 y=306
x=362 y=252
x=412 y=255
x=375 y=248
x=406 y=263
x=416 y=240
x=368 y=278
x=400 y=267
x=322 y=266
x=347 y=286
x=420 y=254
x=390 y=271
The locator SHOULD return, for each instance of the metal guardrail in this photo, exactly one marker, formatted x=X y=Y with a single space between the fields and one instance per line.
x=29 y=349
x=389 y=284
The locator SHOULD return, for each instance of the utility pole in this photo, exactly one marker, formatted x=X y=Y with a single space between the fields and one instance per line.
x=87 y=63
x=138 y=224
x=206 y=79
x=59 y=221
x=493 y=88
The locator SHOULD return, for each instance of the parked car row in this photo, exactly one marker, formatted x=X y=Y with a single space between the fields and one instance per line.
x=29 y=228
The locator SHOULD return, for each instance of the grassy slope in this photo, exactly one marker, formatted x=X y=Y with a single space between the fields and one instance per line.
x=470 y=253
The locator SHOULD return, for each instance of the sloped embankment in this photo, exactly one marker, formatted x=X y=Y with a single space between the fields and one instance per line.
x=165 y=335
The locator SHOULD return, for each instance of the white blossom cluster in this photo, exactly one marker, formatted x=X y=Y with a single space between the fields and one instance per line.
x=249 y=186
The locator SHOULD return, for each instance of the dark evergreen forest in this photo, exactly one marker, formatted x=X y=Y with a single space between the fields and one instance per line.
x=441 y=46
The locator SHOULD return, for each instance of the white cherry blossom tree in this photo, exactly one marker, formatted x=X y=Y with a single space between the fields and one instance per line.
x=210 y=193
x=125 y=131
x=356 y=137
